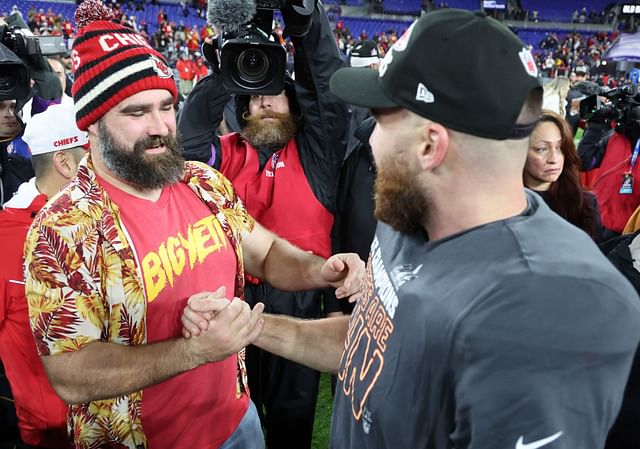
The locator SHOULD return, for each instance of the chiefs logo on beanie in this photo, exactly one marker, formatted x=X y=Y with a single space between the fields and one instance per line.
x=111 y=63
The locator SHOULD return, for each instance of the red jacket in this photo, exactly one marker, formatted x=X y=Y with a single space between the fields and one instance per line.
x=42 y=415
x=186 y=69
x=616 y=208
x=279 y=196
x=201 y=70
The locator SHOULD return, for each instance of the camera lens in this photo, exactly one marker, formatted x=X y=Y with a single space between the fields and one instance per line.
x=8 y=83
x=253 y=65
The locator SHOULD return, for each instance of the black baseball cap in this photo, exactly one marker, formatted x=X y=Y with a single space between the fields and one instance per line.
x=582 y=70
x=461 y=69
x=364 y=54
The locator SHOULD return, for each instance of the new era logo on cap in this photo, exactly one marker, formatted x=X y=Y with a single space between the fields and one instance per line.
x=423 y=94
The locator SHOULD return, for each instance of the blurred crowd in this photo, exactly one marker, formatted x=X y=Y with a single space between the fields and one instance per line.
x=138 y=123
x=557 y=54
x=561 y=55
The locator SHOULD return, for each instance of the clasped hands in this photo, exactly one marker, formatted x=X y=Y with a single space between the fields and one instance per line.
x=219 y=327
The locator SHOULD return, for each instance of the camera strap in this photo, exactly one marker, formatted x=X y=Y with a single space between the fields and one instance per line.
x=634 y=157
x=627 y=178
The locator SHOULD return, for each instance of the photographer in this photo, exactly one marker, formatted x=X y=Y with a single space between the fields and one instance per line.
x=610 y=157
x=22 y=66
x=284 y=164
x=15 y=163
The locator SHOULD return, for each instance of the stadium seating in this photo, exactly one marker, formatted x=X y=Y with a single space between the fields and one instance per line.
x=401 y=6
x=561 y=11
x=373 y=26
x=550 y=9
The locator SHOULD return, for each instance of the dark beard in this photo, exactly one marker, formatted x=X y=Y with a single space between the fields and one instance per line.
x=400 y=201
x=272 y=134
x=135 y=167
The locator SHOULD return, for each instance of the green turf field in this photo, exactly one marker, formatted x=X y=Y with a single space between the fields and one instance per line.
x=323 y=414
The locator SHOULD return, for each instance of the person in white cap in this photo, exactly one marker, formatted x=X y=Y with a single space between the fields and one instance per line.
x=56 y=152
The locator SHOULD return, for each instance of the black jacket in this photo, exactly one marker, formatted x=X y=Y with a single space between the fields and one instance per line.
x=14 y=170
x=593 y=145
x=355 y=224
x=322 y=138
x=625 y=432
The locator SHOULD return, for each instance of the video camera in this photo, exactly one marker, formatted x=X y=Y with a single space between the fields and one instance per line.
x=23 y=60
x=617 y=107
x=14 y=75
x=250 y=62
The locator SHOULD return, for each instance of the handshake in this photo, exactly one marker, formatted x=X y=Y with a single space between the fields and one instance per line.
x=216 y=327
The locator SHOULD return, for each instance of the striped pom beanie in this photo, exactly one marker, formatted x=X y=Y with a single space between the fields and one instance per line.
x=111 y=63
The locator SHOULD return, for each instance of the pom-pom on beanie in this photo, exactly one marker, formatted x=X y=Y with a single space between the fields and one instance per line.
x=111 y=63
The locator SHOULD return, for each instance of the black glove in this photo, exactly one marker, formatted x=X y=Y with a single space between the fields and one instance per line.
x=210 y=52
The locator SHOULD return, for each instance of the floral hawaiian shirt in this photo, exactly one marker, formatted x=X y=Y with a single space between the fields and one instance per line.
x=84 y=284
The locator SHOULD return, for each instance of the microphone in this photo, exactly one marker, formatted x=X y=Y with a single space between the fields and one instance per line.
x=588 y=88
x=230 y=15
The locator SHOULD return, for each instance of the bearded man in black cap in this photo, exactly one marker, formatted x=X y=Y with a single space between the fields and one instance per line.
x=284 y=164
x=486 y=321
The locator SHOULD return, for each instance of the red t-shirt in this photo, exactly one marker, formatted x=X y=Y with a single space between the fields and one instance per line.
x=181 y=250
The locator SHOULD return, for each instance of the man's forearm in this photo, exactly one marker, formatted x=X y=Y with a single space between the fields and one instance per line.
x=317 y=344
x=105 y=370
x=286 y=267
x=289 y=268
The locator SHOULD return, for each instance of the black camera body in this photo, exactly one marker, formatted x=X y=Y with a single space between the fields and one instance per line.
x=251 y=62
x=621 y=101
x=14 y=74
x=23 y=60
x=20 y=44
x=622 y=108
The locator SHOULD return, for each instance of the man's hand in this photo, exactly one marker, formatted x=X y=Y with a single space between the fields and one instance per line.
x=200 y=309
x=345 y=272
x=209 y=49
x=218 y=327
